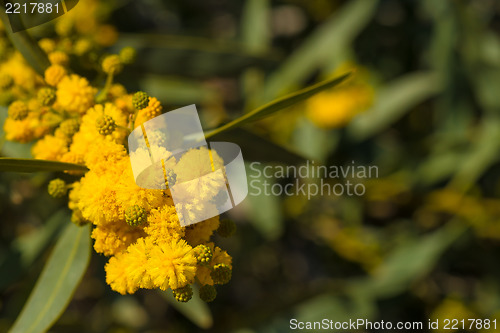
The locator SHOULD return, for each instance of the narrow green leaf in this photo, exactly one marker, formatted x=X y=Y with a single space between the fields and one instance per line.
x=263 y=209
x=324 y=44
x=481 y=156
x=34 y=165
x=393 y=101
x=313 y=142
x=57 y=283
x=257 y=148
x=31 y=245
x=323 y=306
x=176 y=90
x=279 y=104
x=411 y=261
x=255 y=26
x=14 y=149
x=437 y=167
x=191 y=56
x=25 y=44
x=195 y=310
x=27 y=248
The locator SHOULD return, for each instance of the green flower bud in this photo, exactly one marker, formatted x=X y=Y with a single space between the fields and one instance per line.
x=203 y=254
x=208 y=293
x=6 y=81
x=57 y=188
x=18 y=110
x=183 y=294
x=6 y=97
x=135 y=215
x=221 y=274
x=112 y=64
x=105 y=125
x=47 y=96
x=68 y=128
x=82 y=46
x=128 y=55
x=140 y=100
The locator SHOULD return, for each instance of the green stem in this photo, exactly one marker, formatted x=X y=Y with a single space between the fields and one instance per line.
x=104 y=92
x=124 y=128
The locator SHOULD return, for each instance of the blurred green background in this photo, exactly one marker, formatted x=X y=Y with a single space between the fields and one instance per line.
x=422 y=243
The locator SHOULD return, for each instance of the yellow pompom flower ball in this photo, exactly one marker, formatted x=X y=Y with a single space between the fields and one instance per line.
x=49 y=148
x=54 y=74
x=21 y=73
x=57 y=188
x=64 y=27
x=47 y=44
x=106 y=35
x=128 y=55
x=112 y=64
x=82 y=46
x=18 y=130
x=75 y=94
x=59 y=58
x=172 y=264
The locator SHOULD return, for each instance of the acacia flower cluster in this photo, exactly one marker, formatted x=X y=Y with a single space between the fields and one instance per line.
x=69 y=119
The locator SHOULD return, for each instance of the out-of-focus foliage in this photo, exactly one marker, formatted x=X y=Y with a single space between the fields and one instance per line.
x=421 y=243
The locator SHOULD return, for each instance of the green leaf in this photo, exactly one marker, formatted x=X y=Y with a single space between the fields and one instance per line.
x=175 y=90
x=411 y=261
x=393 y=101
x=14 y=149
x=263 y=209
x=34 y=165
x=323 y=306
x=25 y=44
x=279 y=104
x=256 y=26
x=314 y=142
x=27 y=248
x=31 y=245
x=481 y=156
x=190 y=56
x=195 y=310
x=257 y=148
x=57 y=283
x=437 y=167
x=325 y=43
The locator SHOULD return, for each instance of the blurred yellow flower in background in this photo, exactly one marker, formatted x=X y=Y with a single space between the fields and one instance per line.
x=452 y=308
x=336 y=107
